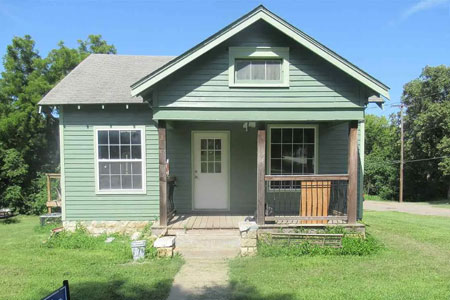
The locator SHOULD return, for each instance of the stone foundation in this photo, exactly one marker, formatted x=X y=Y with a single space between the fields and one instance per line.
x=107 y=227
x=249 y=238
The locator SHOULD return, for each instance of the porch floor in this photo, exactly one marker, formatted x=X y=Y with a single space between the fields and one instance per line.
x=188 y=221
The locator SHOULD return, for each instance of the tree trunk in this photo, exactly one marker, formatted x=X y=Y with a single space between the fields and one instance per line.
x=448 y=193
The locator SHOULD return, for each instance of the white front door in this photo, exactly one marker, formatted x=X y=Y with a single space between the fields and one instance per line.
x=211 y=156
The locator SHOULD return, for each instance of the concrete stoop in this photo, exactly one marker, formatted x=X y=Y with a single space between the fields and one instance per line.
x=208 y=244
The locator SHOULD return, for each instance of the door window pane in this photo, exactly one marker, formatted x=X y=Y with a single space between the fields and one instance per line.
x=210 y=159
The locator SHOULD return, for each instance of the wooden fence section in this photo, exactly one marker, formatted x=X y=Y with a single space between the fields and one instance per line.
x=308 y=199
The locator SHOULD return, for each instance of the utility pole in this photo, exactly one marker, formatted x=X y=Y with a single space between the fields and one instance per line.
x=401 y=154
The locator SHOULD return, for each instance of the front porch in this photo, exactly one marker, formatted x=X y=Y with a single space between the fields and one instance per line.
x=315 y=200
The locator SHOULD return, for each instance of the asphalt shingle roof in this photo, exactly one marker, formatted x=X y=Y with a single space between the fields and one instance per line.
x=103 y=79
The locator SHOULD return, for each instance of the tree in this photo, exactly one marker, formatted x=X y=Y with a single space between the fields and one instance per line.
x=427 y=133
x=381 y=155
x=28 y=140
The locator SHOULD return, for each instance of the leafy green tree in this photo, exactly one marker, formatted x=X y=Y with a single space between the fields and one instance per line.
x=28 y=139
x=427 y=133
x=381 y=155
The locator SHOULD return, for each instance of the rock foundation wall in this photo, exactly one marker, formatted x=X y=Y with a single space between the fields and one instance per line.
x=107 y=227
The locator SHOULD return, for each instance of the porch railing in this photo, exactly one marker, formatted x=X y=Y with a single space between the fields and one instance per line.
x=310 y=199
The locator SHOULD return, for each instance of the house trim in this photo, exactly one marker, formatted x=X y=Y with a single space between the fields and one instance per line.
x=62 y=165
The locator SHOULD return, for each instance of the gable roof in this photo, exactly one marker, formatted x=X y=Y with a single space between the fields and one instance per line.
x=259 y=13
x=103 y=79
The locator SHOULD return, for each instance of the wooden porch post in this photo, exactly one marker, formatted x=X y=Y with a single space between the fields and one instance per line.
x=162 y=174
x=260 y=183
x=352 y=189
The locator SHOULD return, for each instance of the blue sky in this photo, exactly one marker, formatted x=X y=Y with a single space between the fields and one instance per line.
x=392 y=40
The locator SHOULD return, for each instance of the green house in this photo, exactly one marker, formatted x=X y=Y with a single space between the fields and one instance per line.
x=259 y=120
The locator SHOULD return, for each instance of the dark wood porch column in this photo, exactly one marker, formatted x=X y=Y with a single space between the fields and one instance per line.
x=260 y=183
x=352 y=189
x=162 y=174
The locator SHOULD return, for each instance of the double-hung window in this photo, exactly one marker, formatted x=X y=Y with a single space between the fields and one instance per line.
x=292 y=151
x=120 y=160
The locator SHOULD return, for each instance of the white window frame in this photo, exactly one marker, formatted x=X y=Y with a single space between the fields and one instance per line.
x=269 y=53
x=143 y=160
x=269 y=148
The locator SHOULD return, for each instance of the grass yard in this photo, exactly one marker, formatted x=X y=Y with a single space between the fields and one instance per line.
x=30 y=271
x=415 y=264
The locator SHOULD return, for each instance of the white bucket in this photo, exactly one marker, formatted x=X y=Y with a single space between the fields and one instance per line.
x=138 y=249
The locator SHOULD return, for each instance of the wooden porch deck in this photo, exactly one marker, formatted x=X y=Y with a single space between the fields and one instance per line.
x=188 y=221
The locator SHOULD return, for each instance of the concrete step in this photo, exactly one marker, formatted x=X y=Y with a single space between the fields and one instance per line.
x=203 y=232
x=206 y=254
x=207 y=241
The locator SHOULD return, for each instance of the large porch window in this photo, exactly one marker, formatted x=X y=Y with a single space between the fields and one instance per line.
x=292 y=151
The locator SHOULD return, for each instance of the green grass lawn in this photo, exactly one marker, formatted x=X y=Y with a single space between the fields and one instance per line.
x=414 y=264
x=30 y=271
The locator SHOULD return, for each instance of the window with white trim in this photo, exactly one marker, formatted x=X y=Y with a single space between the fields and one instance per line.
x=259 y=67
x=292 y=152
x=120 y=163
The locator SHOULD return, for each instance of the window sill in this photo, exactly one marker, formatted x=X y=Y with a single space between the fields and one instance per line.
x=259 y=85
x=121 y=192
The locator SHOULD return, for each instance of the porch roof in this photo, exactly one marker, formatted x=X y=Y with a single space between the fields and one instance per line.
x=258 y=114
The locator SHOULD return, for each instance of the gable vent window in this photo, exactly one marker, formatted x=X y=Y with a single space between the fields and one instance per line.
x=248 y=70
x=258 y=67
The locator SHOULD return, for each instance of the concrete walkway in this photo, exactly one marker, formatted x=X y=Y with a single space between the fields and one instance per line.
x=201 y=279
x=407 y=207
x=205 y=272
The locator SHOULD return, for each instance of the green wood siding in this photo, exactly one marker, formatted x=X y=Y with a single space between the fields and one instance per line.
x=81 y=201
x=315 y=84
x=242 y=164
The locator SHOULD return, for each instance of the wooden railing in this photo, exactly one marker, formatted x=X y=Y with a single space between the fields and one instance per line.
x=53 y=191
x=310 y=199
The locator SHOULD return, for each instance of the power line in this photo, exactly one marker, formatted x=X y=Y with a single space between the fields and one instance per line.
x=406 y=161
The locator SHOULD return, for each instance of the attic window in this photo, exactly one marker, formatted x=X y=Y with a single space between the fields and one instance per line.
x=259 y=67
x=251 y=70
